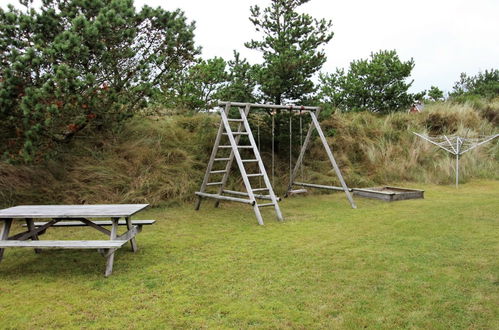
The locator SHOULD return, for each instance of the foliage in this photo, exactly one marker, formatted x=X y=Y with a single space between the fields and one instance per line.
x=73 y=64
x=435 y=93
x=290 y=46
x=377 y=84
x=485 y=84
x=196 y=86
x=200 y=85
x=162 y=160
x=241 y=82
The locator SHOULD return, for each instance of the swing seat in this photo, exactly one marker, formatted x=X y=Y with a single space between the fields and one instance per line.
x=297 y=192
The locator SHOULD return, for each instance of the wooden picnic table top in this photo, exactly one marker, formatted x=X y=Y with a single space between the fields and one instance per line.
x=71 y=211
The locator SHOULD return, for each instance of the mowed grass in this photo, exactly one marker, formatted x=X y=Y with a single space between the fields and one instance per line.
x=429 y=263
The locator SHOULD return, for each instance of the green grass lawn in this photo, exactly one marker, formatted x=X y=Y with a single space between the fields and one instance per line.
x=429 y=263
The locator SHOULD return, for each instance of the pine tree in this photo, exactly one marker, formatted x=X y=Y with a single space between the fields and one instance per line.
x=378 y=84
x=291 y=49
x=73 y=64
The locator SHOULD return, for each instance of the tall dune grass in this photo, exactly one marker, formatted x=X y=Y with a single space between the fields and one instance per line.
x=162 y=160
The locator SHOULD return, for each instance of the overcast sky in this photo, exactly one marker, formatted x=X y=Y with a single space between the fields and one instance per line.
x=444 y=37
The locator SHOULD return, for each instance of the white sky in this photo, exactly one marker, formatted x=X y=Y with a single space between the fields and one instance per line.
x=444 y=37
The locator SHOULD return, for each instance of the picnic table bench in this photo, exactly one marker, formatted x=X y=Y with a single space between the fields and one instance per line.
x=73 y=216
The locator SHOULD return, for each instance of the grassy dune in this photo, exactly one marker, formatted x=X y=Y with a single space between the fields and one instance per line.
x=428 y=263
x=162 y=160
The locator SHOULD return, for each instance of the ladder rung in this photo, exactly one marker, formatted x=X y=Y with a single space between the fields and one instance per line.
x=226 y=198
x=214 y=183
x=218 y=171
x=221 y=159
x=242 y=193
x=260 y=189
x=254 y=175
x=237 y=133
x=266 y=204
x=249 y=160
x=236 y=120
x=241 y=147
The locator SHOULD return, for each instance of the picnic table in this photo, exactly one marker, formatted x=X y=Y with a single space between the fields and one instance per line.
x=73 y=216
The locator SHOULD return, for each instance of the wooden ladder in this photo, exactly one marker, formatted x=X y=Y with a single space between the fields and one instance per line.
x=252 y=194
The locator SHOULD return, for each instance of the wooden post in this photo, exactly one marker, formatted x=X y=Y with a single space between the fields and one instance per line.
x=458 y=147
x=110 y=256
x=332 y=160
x=261 y=166
x=228 y=167
x=4 y=234
x=31 y=227
x=211 y=161
x=299 y=161
x=129 y=226
x=240 y=164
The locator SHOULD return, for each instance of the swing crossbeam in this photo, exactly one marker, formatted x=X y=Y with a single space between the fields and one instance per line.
x=270 y=106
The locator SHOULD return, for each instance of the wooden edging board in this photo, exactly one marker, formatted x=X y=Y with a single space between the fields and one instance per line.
x=391 y=194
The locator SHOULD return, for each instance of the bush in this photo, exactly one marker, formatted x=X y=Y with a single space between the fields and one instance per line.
x=85 y=64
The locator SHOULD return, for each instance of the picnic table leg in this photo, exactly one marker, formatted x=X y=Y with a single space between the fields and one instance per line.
x=4 y=234
x=110 y=257
x=31 y=227
x=129 y=226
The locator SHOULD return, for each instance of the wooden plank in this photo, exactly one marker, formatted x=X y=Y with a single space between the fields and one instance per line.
x=95 y=226
x=133 y=230
x=269 y=106
x=110 y=257
x=402 y=189
x=130 y=234
x=38 y=230
x=79 y=223
x=254 y=175
x=315 y=121
x=228 y=166
x=265 y=205
x=63 y=244
x=376 y=191
x=225 y=198
x=319 y=186
x=4 y=234
x=297 y=191
x=239 y=161
x=31 y=227
x=389 y=193
x=213 y=158
x=72 y=211
x=261 y=166
x=242 y=193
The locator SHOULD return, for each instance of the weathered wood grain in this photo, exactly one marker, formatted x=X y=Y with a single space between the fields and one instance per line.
x=72 y=211
x=78 y=223
x=64 y=244
x=4 y=234
x=132 y=232
x=31 y=227
x=110 y=257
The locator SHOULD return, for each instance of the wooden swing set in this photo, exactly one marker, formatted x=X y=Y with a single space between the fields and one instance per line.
x=228 y=139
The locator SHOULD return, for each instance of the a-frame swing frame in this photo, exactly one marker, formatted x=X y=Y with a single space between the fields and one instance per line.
x=253 y=195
